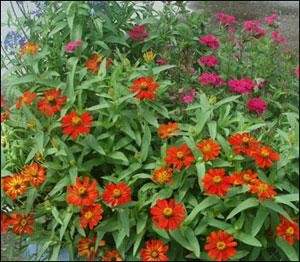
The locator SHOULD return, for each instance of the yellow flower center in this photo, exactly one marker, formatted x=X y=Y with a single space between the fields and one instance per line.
x=88 y=215
x=50 y=98
x=116 y=193
x=245 y=139
x=264 y=152
x=76 y=120
x=144 y=87
x=206 y=148
x=246 y=177
x=217 y=179
x=154 y=254
x=23 y=222
x=168 y=212
x=262 y=187
x=290 y=231
x=221 y=245
x=81 y=190
x=179 y=155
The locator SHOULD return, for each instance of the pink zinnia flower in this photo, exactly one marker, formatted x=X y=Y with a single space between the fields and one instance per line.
x=161 y=61
x=297 y=69
x=256 y=105
x=270 y=20
x=253 y=27
x=188 y=96
x=71 y=46
x=225 y=19
x=138 y=33
x=210 y=40
x=244 y=85
x=210 y=79
x=278 y=38
x=208 y=60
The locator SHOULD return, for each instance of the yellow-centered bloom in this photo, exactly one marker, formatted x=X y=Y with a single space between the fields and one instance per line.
x=149 y=56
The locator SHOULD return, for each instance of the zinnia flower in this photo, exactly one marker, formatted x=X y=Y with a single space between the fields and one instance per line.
x=278 y=38
x=168 y=214
x=179 y=157
x=288 y=230
x=29 y=48
x=262 y=190
x=154 y=250
x=138 y=33
x=93 y=63
x=215 y=182
x=167 y=130
x=14 y=186
x=225 y=19
x=210 y=79
x=112 y=255
x=71 y=46
x=144 y=87
x=149 y=56
x=241 y=86
x=22 y=224
x=90 y=216
x=74 y=124
x=4 y=116
x=83 y=193
x=209 y=148
x=264 y=156
x=26 y=99
x=34 y=174
x=52 y=102
x=5 y=222
x=270 y=20
x=161 y=61
x=86 y=248
x=116 y=194
x=210 y=41
x=253 y=27
x=220 y=246
x=243 y=143
x=257 y=105
x=243 y=177
x=208 y=60
x=162 y=175
x=188 y=96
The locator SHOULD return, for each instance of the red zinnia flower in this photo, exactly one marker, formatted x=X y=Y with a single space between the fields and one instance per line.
x=154 y=250
x=14 y=186
x=179 y=157
x=243 y=177
x=29 y=48
x=264 y=156
x=162 y=175
x=93 y=63
x=116 y=194
x=52 y=102
x=168 y=214
x=83 y=193
x=5 y=222
x=90 y=216
x=26 y=99
x=210 y=41
x=22 y=224
x=209 y=148
x=263 y=190
x=112 y=255
x=86 y=248
x=225 y=19
x=270 y=20
x=34 y=173
x=167 y=130
x=253 y=27
x=288 y=230
x=210 y=79
x=243 y=143
x=241 y=86
x=138 y=33
x=215 y=182
x=74 y=124
x=144 y=87
x=220 y=246
x=278 y=38
x=257 y=105
x=208 y=60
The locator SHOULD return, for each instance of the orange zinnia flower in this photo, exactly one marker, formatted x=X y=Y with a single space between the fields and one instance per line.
x=243 y=177
x=22 y=224
x=52 y=102
x=86 y=248
x=90 y=216
x=215 y=182
x=243 y=143
x=26 y=99
x=162 y=175
x=262 y=189
x=116 y=194
x=154 y=250
x=5 y=222
x=168 y=214
x=179 y=157
x=220 y=246
x=144 y=87
x=209 y=148
x=83 y=193
x=167 y=130
x=14 y=186
x=4 y=116
x=74 y=124
x=29 y=48
x=93 y=63
x=264 y=156
x=112 y=255
x=288 y=230
x=34 y=174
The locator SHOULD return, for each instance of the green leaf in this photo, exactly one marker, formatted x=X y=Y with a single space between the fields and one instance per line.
x=259 y=220
x=212 y=128
x=43 y=249
x=207 y=202
x=275 y=207
x=31 y=196
x=150 y=118
x=22 y=80
x=146 y=141
x=72 y=63
x=65 y=224
x=138 y=240
x=181 y=239
x=225 y=100
x=200 y=173
x=192 y=239
x=248 y=203
x=239 y=255
x=160 y=232
x=124 y=220
x=55 y=213
x=219 y=224
x=73 y=171
x=158 y=69
x=289 y=250
x=247 y=239
x=55 y=253
x=62 y=183
x=117 y=155
x=202 y=117
x=97 y=107
x=94 y=144
x=287 y=197
x=141 y=224
x=99 y=27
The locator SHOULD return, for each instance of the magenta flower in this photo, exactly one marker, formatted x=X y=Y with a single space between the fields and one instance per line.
x=270 y=20
x=210 y=79
x=225 y=19
x=138 y=33
x=208 y=60
x=253 y=27
x=210 y=41
x=242 y=86
x=161 y=61
x=278 y=38
x=188 y=96
x=257 y=105
x=71 y=46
